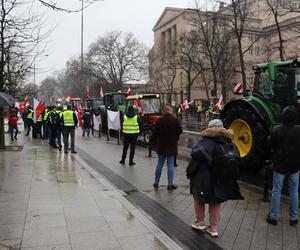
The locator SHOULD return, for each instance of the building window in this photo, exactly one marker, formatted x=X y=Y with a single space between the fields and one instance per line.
x=269 y=51
x=251 y=51
x=251 y=37
x=257 y=51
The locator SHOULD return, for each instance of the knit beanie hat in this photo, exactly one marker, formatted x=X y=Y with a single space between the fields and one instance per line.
x=215 y=123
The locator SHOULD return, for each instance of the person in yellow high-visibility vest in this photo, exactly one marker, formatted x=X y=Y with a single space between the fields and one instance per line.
x=131 y=130
x=29 y=119
x=69 y=121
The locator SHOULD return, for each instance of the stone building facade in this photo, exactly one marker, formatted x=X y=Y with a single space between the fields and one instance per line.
x=260 y=32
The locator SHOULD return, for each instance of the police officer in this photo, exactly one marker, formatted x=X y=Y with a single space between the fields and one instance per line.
x=199 y=111
x=29 y=119
x=59 y=112
x=53 y=127
x=69 y=121
x=131 y=130
x=45 y=124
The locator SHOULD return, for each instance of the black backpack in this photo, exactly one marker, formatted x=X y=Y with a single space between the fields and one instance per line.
x=226 y=161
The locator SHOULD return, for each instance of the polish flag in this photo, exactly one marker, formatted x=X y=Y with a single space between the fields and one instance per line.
x=139 y=105
x=101 y=93
x=220 y=103
x=238 y=88
x=88 y=93
x=26 y=101
x=129 y=91
x=185 y=104
x=38 y=108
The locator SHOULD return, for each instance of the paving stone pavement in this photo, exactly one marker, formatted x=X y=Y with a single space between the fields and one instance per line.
x=242 y=224
x=49 y=200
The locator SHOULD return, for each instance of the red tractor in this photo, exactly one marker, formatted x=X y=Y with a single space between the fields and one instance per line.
x=149 y=108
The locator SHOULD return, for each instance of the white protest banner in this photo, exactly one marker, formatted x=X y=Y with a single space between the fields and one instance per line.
x=113 y=120
x=97 y=121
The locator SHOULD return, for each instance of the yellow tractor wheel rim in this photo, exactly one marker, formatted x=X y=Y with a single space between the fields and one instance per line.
x=242 y=136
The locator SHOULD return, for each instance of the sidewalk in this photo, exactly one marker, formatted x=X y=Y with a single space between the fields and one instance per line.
x=50 y=200
x=242 y=225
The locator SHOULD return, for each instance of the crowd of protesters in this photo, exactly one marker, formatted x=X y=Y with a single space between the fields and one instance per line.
x=215 y=160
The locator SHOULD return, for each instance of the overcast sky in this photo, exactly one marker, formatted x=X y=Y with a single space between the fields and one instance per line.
x=136 y=16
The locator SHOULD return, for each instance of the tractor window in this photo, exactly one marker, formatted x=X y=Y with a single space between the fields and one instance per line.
x=297 y=84
x=150 y=105
x=263 y=84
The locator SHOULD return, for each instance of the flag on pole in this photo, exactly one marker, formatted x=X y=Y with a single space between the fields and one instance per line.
x=88 y=93
x=220 y=103
x=38 y=108
x=238 y=88
x=129 y=91
x=101 y=93
x=26 y=101
x=139 y=105
x=185 y=104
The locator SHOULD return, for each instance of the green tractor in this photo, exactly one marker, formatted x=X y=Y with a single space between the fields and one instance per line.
x=276 y=85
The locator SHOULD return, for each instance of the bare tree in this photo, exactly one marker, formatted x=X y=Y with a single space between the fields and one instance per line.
x=20 y=42
x=118 y=58
x=190 y=58
x=49 y=90
x=279 y=9
x=237 y=19
x=165 y=70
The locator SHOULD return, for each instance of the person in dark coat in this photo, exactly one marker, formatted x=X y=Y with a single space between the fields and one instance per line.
x=87 y=122
x=204 y=186
x=166 y=134
x=284 y=142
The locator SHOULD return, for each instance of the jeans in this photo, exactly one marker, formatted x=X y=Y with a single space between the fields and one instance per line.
x=293 y=181
x=159 y=167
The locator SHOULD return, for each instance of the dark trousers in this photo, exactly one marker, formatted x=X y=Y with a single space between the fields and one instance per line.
x=66 y=132
x=39 y=126
x=58 y=136
x=53 y=135
x=29 y=125
x=129 y=140
x=46 y=131
x=11 y=130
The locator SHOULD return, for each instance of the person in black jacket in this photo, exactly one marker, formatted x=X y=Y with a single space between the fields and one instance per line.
x=166 y=135
x=285 y=150
x=204 y=185
x=87 y=122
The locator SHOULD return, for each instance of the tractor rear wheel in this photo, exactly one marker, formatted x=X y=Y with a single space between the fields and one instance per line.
x=250 y=135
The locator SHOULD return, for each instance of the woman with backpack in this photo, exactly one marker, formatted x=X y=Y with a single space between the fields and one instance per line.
x=213 y=172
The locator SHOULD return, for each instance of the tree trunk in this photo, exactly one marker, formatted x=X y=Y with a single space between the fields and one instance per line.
x=2 y=138
x=242 y=65
x=280 y=38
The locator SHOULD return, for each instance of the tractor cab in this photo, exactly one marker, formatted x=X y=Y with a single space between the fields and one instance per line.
x=278 y=84
x=96 y=105
x=149 y=108
x=115 y=101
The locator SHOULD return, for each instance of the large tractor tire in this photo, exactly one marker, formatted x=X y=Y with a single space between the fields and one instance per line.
x=250 y=134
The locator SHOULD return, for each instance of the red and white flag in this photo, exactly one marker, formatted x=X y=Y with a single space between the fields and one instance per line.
x=88 y=93
x=129 y=91
x=220 y=103
x=38 y=108
x=238 y=88
x=101 y=93
x=26 y=101
x=185 y=104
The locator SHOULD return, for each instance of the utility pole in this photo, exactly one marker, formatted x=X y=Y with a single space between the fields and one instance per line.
x=81 y=59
